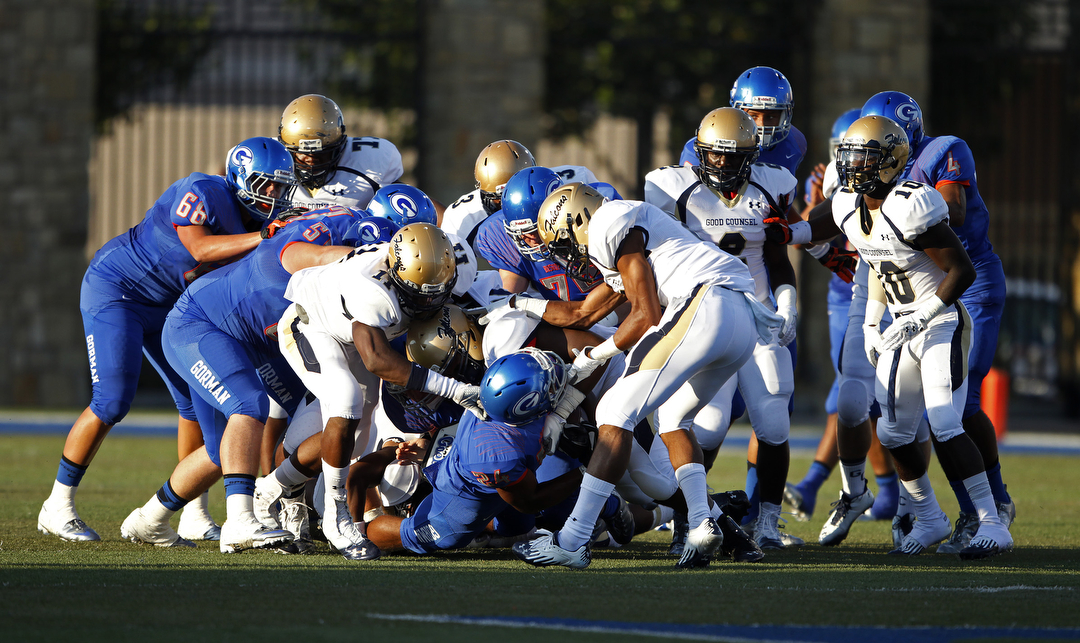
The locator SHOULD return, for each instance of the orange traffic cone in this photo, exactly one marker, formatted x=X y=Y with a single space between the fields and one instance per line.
x=995 y=400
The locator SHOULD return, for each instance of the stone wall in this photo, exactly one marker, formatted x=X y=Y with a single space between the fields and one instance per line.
x=46 y=107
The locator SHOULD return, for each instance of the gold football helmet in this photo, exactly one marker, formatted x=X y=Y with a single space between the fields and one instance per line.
x=313 y=130
x=726 y=146
x=496 y=164
x=422 y=269
x=872 y=155
x=449 y=343
x=564 y=225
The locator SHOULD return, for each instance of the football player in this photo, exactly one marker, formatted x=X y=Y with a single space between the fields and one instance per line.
x=199 y=223
x=901 y=229
x=946 y=163
x=333 y=168
x=336 y=336
x=497 y=162
x=221 y=337
x=725 y=200
x=680 y=355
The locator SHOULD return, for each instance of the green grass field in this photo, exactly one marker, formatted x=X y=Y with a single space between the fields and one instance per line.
x=115 y=590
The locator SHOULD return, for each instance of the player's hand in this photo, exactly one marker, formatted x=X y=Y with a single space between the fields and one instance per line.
x=532 y=307
x=902 y=331
x=411 y=451
x=494 y=309
x=872 y=344
x=842 y=262
x=282 y=219
x=583 y=365
x=788 y=327
x=468 y=396
x=777 y=230
x=553 y=429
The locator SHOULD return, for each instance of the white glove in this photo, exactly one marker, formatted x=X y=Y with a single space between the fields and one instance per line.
x=907 y=327
x=872 y=344
x=468 y=396
x=532 y=307
x=785 y=307
x=556 y=420
x=591 y=358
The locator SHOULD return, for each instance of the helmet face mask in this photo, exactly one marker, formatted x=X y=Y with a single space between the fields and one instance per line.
x=872 y=155
x=521 y=200
x=523 y=386
x=313 y=130
x=260 y=170
x=563 y=224
x=496 y=164
x=765 y=89
x=423 y=270
x=726 y=147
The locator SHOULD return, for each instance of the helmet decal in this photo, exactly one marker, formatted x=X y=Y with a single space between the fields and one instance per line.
x=405 y=206
x=243 y=158
x=906 y=112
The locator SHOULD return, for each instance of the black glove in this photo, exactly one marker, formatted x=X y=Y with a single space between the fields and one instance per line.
x=578 y=441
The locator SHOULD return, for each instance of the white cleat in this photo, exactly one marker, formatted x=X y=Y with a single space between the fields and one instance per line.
x=65 y=524
x=701 y=543
x=138 y=529
x=543 y=551
x=923 y=534
x=238 y=535
x=198 y=527
x=295 y=520
x=341 y=532
x=265 y=502
x=767 y=533
x=990 y=540
x=1007 y=512
x=845 y=512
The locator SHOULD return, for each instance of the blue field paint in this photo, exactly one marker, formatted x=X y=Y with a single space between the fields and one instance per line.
x=754 y=633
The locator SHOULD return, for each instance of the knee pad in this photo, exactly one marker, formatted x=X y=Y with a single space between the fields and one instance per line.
x=711 y=425
x=944 y=422
x=770 y=419
x=111 y=411
x=853 y=403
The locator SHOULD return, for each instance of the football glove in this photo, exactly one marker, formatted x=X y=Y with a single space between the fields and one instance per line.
x=556 y=420
x=532 y=307
x=591 y=358
x=907 y=327
x=467 y=396
x=282 y=219
x=841 y=262
x=785 y=307
x=872 y=344
x=777 y=230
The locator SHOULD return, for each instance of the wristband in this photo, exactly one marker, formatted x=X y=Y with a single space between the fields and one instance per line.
x=875 y=310
x=439 y=384
x=800 y=233
x=932 y=308
x=785 y=297
x=531 y=306
x=417 y=378
x=818 y=251
x=604 y=351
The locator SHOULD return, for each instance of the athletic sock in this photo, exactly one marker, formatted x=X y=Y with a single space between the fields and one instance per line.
x=691 y=479
x=854 y=482
x=578 y=528
x=239 y=497
x=169 y=498
x=751 y=493
x=155 y=510
x=662 y=515
x=70 y=474
x=885 y=502
x=288 y=476
x=924 y=503
x=997 y=486
x=962 y=497
x=815 y=477
x=978 y=489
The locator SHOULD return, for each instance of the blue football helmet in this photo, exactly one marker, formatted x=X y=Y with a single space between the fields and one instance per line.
x=260 y=169
x=521 y=200
x=403 y=204
x=838 y=129
x=522 y=386
x=766 y=89
x=899 y=108
x=368 y=230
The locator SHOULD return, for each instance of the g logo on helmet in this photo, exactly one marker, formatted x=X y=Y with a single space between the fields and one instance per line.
x=404 y=206
x=527 y=405
x=906 y=112
x=243 y=158
x=369 y=232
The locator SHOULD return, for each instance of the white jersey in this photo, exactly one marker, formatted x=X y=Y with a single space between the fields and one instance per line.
x=680 y=261
x=908 y=274
x=735 y=226
x=465 y=215
x=356 y=288
x=367 y=164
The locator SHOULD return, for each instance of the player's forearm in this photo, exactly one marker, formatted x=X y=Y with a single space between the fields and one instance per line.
x=583 y=314
x=297 y=256
x=221 y=247
x=550 y=493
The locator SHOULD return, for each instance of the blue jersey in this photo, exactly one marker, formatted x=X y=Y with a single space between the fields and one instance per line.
x=788 y=153
x=946 y=159
x=245 y=299
x=488 y=456
x=149 y=262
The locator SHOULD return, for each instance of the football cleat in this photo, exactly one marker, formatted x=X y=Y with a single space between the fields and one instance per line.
x=197 y=525
x=238 y=535
x=295 y=520
x=732 y=503
x=901 y=526
x=543 y=551
x=845 y=512
x=138 y=529
x=339 y=528
x=363 y=550
x=767 y=533
x=679 y=527
x=966 y=526
x=923 y=534
x=802 y=507
x=265 y=504
x=737 y=543
x=65 y=525
x=1007 y=512
x=990 y=540
x=701 y=543
x=789 y=540
x=621 y=526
